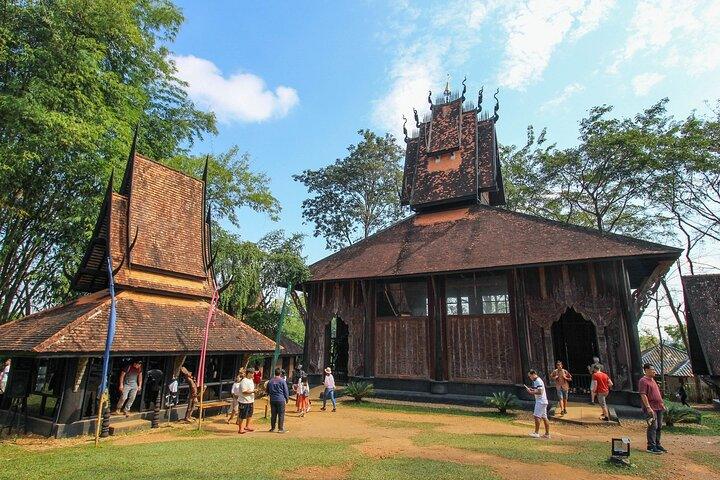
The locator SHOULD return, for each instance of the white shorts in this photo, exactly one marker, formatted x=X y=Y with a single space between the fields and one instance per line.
x=540 y=410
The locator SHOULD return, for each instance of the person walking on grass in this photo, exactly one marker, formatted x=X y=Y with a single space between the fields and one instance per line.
x=129 y=384
x=329 y=382
x=279 y=394
x=562 y=380
x=304 y=396
x=603 y=384
x=235 y=392
x=541 y=404
x=246 y=402
x=653 y=405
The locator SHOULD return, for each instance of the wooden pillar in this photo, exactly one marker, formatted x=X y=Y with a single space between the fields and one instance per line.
x=436 y=328
x=368 y=295
x=631 y=323
x=517 y=303
x=71 y=407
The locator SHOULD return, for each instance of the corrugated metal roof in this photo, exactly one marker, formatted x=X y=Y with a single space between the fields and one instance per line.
x=675 y=361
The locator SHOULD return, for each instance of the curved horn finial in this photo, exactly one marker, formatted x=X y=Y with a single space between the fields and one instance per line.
x=133 y=148
x=430 y=98
x=462 y=95
x=124 y=257
x=417 y=118
x=227 y=284
x=496 y=117
x=405 y=127
x=480 y=98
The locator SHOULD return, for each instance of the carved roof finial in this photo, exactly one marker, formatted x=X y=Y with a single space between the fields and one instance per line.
x=496 y=117
x=462 y=95
x=405 y=128
x=430 y=98
x=480 y=98
x=417 y=118
x=447 y=89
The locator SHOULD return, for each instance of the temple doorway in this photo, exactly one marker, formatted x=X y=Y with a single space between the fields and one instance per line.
x=575 y=343
x=337 y=348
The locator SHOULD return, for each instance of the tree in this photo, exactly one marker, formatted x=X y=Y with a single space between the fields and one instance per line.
x=76 y=76
x=648 y=339
x=357 y=195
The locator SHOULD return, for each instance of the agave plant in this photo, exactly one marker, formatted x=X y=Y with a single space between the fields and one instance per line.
x=359 y=390
x=678 y=413
x=503 y=401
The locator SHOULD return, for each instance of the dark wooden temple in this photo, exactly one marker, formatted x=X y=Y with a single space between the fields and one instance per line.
x=702 y=314
x=465 y=296
x=157 y=234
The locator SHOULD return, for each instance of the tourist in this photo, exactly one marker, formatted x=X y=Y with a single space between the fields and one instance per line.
x=562 y=380
x=257 y=376
x=541 y=404
x=235 y=392
x=681 y=394
x=4 y=375
x=603 y=384
x=304 y=396
x=129 y=384
x=653 y=404
x=591 y=369
x=278 y=392
x=246 y=400
x=329 y=382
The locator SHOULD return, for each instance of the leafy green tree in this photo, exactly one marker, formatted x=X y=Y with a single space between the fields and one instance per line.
x=76 y=76
x=356 y=195
x=648 y=339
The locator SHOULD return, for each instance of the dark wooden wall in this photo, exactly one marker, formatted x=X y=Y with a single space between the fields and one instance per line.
x=401 y=348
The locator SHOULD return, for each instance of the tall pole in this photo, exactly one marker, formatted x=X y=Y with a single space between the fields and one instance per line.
x=203 y=354
x=283 y=312
x=103 y=396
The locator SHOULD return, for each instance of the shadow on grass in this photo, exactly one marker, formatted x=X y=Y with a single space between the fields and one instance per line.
x=391 y=407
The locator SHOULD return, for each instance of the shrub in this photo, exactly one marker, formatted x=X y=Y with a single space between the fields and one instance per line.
x=679 y=413
x=359 y=390
x=503 y=401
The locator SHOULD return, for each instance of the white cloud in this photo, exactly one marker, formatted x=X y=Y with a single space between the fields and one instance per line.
x=536 y=28
x=679 y=34
x=240 y=97
x=643 y=83
x=562 y=97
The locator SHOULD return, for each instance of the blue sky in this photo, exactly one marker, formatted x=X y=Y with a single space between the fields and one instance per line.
x=292 y=82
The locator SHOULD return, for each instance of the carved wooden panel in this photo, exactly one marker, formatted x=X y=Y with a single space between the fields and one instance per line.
x=401 y=347
x=481 y=348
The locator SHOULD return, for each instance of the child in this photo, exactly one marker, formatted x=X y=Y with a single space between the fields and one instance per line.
x=235 y=391
x=304 y=396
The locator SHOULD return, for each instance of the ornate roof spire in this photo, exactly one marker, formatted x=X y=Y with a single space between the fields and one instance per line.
x=447 y=89
x=430 y=98
x=496 y=117
x=405 y=128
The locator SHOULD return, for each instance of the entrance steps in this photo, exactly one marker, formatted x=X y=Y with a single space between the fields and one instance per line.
x=584 y=414
x=120 y=425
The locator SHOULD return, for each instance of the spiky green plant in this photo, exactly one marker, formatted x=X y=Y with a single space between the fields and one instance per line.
x=359 y=390
x=503 y=401
x=678 y=413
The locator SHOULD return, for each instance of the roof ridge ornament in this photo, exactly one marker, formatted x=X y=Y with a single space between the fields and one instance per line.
x=496 y=117
x=417 y=119
x=446 y=92
x=430 y=98
x=405 y=128
x=462 y=95
x=480 y=98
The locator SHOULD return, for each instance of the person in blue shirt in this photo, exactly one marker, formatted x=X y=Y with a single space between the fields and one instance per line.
x=279 y=394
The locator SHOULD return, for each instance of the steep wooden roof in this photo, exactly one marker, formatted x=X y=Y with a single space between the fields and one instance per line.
x=146 y=323
x=156 y=231
x=702 y=308
x=474 y=238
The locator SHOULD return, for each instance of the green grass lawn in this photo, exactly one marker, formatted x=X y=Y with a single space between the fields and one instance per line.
x=592 y=456
x=710 y=460
x=413 y=468
x=507 y=417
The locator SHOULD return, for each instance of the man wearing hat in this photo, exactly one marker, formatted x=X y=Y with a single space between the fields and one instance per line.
x=329 y=383
x=653 y=405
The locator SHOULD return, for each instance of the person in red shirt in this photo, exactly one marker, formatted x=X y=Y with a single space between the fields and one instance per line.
x=603 y=384
x=654 y=406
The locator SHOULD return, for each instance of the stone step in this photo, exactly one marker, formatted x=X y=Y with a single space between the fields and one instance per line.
x=128 y=425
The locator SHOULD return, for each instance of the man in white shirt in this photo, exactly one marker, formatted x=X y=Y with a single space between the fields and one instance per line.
x=246 y=401
x=541 y=404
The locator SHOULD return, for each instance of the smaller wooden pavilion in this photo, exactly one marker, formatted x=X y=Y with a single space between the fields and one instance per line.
x=157 y=234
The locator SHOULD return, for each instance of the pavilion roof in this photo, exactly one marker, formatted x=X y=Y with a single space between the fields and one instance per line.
x=675 y=360
x=475 y=238
x=702 y=308
x=146 y=323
